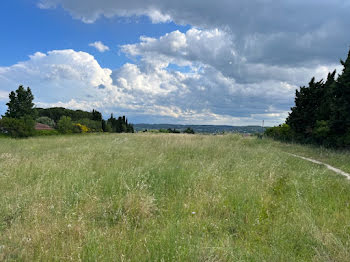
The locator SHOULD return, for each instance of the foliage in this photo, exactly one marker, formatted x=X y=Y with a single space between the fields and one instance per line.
x=46 y=133
x=321 y=113
x=189 y=130
x=174 y=131
x=120 y=125
x=56 y=113
x=65 y=125
x=46 y=121
x=94 y=126
x=96 y=116
x=169 y=130
x=282 y=132
x=17 y=127
x=79 y=128
x=21 y=103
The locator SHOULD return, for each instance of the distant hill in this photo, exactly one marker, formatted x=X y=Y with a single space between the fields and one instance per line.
x=202 y=128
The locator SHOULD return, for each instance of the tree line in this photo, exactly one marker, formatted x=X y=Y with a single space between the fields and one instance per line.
x=321 y=114
x=21 y=117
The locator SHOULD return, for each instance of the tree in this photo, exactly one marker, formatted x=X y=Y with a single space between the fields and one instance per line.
x=17 y=127
x=340 y=113
x=308 y=100
x=21 y=103
x=96 y=116
x=65 y=125
x=189 y=130
x=322 y=111
x=120 y=125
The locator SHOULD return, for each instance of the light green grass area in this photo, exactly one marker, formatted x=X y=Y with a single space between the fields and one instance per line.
x=170 y=197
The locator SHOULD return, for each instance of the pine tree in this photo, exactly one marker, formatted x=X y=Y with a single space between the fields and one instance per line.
x=21 y=103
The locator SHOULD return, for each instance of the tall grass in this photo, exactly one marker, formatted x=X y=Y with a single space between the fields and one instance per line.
x=164 y=197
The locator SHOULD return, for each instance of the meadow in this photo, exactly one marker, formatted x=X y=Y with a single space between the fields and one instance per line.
x=170 y=197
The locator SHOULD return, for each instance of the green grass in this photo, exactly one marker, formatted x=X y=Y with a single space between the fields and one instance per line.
x=170 y=197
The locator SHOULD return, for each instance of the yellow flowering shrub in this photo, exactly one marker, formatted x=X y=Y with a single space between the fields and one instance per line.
x=82 y=128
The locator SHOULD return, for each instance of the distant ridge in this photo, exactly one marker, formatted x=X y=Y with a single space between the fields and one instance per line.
x=202 y=128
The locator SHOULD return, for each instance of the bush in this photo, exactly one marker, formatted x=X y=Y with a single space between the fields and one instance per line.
x=46 y=121
x=189 y=130
x=281 y=132
x=22 y=127
x=79 y=128
x=93 y=126
x=163 y=130
x=65 y=125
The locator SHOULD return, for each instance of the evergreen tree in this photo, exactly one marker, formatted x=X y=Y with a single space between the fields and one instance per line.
x=340 y=115
x=21 y=103
x=96 y=116
x=302 y=118
x=326 y=96
x=322 y=111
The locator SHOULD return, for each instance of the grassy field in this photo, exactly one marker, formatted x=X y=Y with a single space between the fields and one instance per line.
x=163 y=197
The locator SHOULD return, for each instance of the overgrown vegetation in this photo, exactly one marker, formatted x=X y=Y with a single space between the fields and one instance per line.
x=321 y=114
x=19 y=119
x=160 y=197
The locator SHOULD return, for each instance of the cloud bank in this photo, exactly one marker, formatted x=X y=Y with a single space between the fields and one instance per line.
x=193 y=77
x=240 y=62
x=265 y=31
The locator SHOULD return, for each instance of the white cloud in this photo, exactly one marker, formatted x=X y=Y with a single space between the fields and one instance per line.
x=277 y=32
x=3 y=95
x=57 y=75
x=240 y=63
x=99 y=46
x=194 y=77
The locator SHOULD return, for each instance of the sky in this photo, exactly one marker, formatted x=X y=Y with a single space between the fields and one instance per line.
x=157 y=61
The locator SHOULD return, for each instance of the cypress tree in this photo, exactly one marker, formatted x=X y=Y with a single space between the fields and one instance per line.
x=302 y=118
x=340 y=115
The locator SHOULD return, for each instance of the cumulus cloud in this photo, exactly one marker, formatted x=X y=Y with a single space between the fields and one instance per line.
x=99 y=46
x=216 y=48
x=239 y=63
x=57 y=75
x=193 y=77
x=275 y=32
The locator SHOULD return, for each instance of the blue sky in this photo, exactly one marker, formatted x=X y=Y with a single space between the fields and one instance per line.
x=29 y=29
x=199 y=62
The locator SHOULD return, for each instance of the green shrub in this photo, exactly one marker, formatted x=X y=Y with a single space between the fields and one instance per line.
x=22 y=127
x=65 y=125
x=94 y=126
x=163 y=130
x=153 y=131
x=46 y=121
x=174 y=131
x=189 y=130
x=281 y=132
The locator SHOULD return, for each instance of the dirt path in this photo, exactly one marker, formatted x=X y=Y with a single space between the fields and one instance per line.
x=336 y=170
